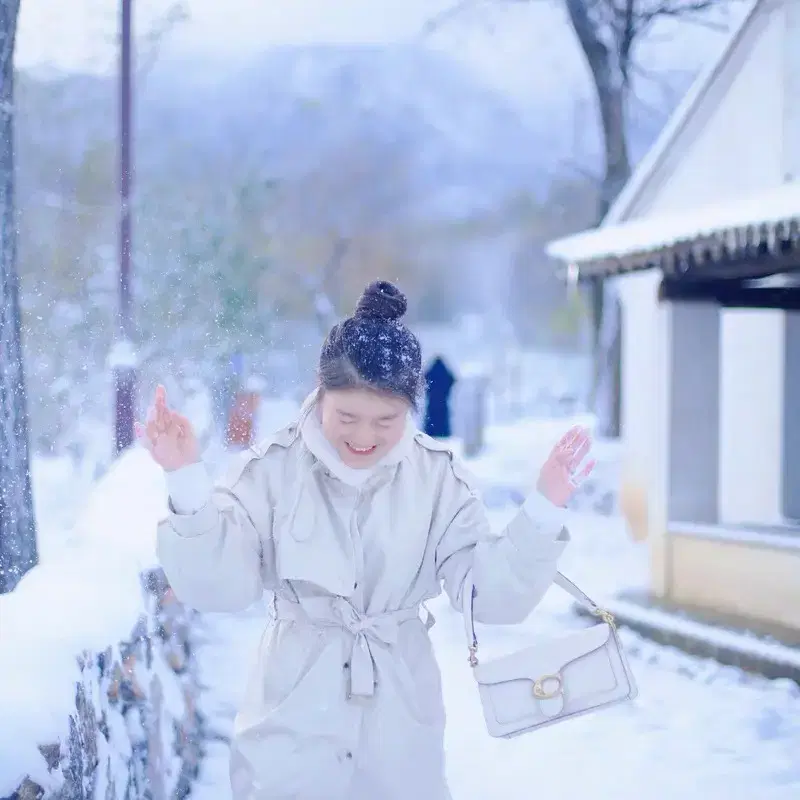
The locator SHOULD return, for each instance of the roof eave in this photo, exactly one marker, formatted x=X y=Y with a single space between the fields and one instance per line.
x=753 y=258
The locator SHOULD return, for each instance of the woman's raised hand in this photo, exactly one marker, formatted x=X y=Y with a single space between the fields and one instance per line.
x=567 y=466
x=168 y=435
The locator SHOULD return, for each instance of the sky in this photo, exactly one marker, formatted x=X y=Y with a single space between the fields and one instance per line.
x=521 y=50
x=83 y=37
x=508 y=49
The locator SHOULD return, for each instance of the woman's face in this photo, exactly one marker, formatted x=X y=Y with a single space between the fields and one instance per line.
x=363 y=426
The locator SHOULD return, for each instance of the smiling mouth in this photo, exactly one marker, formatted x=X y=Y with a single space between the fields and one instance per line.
x=361 y=451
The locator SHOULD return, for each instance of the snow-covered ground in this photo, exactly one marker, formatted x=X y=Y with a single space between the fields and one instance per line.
x=698 y=730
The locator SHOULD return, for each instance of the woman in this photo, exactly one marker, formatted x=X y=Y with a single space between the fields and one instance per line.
x=352 y=518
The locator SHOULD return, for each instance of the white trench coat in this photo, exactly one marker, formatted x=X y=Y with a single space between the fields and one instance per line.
x=345 y=698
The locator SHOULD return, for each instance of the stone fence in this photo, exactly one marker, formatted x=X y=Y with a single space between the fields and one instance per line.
x=134 y=730
x=98 y=678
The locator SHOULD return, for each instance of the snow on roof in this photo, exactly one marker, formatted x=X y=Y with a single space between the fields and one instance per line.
x=759 y=212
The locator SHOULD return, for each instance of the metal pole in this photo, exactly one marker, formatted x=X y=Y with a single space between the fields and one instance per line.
x=124 y=361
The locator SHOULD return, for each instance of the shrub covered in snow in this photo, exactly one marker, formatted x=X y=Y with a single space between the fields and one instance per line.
x=98 y=682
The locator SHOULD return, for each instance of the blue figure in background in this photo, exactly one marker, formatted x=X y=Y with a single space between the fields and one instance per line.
x=439 y=381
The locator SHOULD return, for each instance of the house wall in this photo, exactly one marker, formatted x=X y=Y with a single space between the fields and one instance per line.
x=643 y=431
x=754 y=580
x=733 y=143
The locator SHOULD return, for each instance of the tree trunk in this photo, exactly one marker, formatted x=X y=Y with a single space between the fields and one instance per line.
x=606 y=316
x=18 y=551
x=610 y=87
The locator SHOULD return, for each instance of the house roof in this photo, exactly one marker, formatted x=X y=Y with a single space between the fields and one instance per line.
x=768 y=217
x=641 y=237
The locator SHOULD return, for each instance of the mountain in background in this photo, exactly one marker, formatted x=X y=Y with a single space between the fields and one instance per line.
x=464 y=182
x=356 y=138
x=464 y=148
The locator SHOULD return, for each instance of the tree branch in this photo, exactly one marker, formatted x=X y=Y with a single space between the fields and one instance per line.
x=626 y=40
x=442 y=18
x=175 y=15
x=586 y=30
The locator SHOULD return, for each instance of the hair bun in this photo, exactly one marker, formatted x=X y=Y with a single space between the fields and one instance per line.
x=381 y=300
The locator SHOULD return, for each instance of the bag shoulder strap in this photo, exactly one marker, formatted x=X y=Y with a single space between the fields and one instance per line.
x=469 y=593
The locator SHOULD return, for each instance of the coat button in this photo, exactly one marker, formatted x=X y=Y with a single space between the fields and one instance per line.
x=348 y=754
x=355 y=585
x=346 y=665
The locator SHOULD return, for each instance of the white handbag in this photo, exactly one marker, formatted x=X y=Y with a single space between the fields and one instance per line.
x=558 y=679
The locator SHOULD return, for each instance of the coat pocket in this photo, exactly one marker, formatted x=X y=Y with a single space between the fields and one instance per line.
x=286 y=662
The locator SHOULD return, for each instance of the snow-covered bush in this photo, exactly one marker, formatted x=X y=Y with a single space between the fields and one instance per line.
x=98 y=681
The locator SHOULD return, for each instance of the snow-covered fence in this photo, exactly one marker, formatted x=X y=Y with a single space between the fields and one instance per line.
x=98 y=683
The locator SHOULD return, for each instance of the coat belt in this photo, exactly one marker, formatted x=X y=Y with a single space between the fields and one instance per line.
x=338 y=612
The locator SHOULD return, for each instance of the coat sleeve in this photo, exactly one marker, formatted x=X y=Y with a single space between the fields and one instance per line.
x=511 y=571
x=216 y=543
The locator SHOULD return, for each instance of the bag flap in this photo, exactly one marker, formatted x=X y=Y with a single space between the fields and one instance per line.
x=548 y=658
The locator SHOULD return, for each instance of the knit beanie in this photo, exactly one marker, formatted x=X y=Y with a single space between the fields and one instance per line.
x=373 y=349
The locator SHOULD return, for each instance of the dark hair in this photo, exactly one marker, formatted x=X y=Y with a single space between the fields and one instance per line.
x=373 y=349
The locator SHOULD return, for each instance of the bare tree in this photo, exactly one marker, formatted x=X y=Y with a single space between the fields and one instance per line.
x=609 y=33
x=334 y=218
x=150 y=45
x=18 y=552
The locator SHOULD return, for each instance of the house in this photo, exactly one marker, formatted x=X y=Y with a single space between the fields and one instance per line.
x=703 y=246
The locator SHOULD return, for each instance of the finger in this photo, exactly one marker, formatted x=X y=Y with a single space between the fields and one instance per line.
x=563 y=451
x=152 y=433
x=566 y=443
x=164 y=418
x=580 y=435
x=172 y=426
x=182 y=424
x=580 y=452
x=577 y=479
x=155 y=410
x=160 y=405
x=568 y=437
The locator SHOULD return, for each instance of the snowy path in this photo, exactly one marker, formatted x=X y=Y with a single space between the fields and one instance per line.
x=697 y=731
